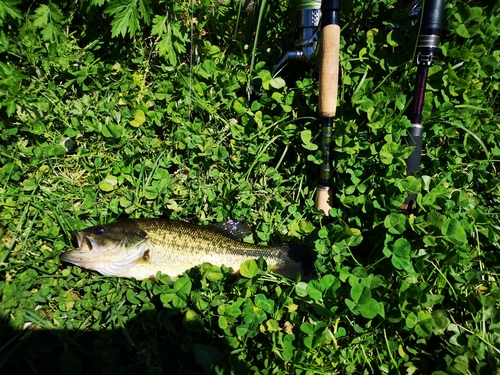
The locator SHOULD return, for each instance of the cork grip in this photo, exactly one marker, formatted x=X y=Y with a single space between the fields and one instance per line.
x=329 y=70
x=323 y=200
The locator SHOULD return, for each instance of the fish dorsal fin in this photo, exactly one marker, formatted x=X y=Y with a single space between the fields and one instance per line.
x=233 y=229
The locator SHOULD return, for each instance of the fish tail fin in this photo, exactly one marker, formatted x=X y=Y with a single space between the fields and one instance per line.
x=298 y=259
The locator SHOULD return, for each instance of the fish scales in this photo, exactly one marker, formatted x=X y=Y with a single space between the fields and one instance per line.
x=142 y=247
x=191 y=245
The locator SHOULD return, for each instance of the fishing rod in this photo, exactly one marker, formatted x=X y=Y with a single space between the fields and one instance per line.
x=328 y=91
x=427 y=47
x=318 y=20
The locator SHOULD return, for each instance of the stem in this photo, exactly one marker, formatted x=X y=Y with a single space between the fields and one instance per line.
x=257 y=32
x=447 y=282
x=395 y=364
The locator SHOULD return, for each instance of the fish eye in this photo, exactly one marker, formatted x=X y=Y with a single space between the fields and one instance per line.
x=99 y=230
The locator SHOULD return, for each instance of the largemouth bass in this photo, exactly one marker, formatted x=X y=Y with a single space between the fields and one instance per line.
x=142 y=247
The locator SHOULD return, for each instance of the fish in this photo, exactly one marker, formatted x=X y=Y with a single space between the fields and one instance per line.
x=139 y=248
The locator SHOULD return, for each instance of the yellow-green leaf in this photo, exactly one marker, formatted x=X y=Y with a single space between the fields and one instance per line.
x=139 y=119
x=108 y=184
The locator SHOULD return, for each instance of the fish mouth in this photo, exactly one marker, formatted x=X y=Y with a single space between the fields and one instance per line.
x=76 y=239
x=83 y=249
x=82 y=242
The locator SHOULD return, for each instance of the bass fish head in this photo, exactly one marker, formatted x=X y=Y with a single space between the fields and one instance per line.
x=109 y=249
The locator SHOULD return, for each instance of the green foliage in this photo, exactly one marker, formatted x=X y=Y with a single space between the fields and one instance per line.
x=9 y=8
x=130 y=108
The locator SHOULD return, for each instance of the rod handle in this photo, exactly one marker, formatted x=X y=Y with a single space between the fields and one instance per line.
x=329 y=70
x=432 y=17
x=324 y=200
x=413 y=161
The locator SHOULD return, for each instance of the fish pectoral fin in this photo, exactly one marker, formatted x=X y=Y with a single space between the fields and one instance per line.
x=146 y=257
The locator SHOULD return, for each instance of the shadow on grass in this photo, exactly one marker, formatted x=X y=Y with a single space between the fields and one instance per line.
x=143 y=346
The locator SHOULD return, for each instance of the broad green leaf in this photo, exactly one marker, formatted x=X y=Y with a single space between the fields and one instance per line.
x=301 y=289
x=109 y=183
x=253 y=314
x=159 y=25
x=436 y=219
x=112 y=131
x=139 y=118
x=353 y=306
x=277 y=96
x=272 y=325
x=424 y=328
x=489 y=65
x=395 y=223
x=278 y=83
x=131 y=297
x=395 y=38
x=223 y=324
x=9 y=7
x=249 y=269
x=242 y=330
x=150 y=192
x=41 y=17
x=401 y=254
x=430 y=241
x=327 y=281
x=266 y=79
x=67 y=302
x=29 y=185
x=410 y=185
x=452 y=231
x=54 y=150
x=315 y=334
x=462 y=31
x=440 y=318
x=166 y=298
x=411 y=320
x=9 y=296
x=179 y=301
x=400 y=102
x=366 y=104
x=307 y=328
x=240 y=106
x=264 y=303
x=459 y=82
x=192 y=319
x=306 y=137
x=360 y=293
x=314 y=290
x=209 y=66
x=323 y=233
x=387 y=152
x=125 y=17
x=182 y=286
x=369 y=308
x=211 y=272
